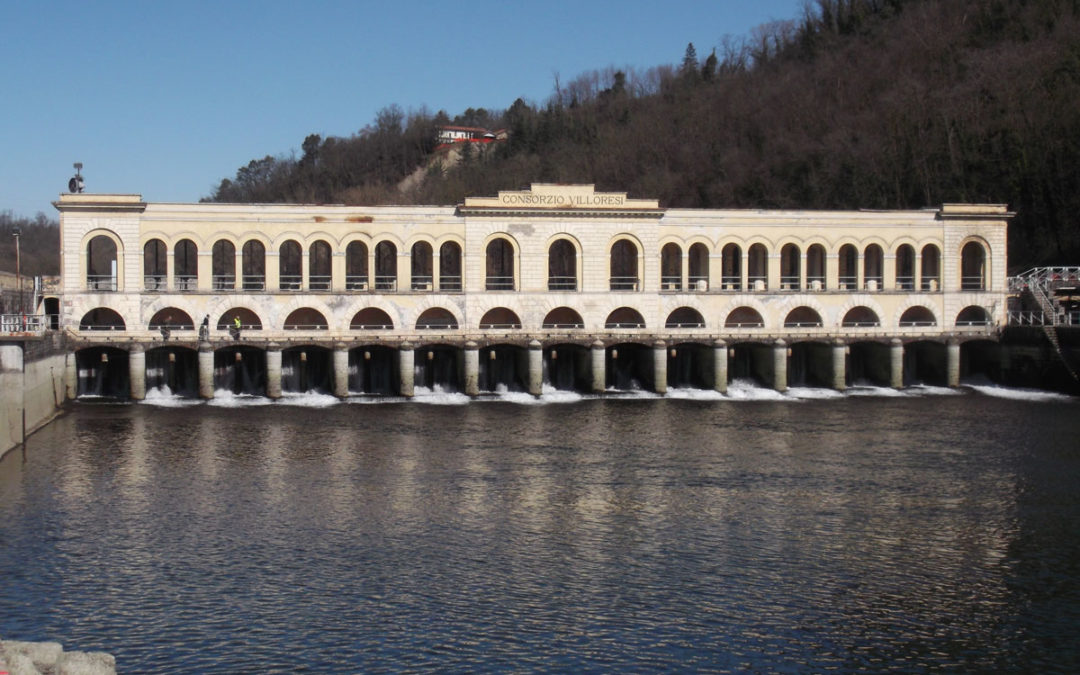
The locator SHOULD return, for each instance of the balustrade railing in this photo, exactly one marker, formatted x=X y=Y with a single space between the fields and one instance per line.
x=319 y=282
x=154 y=282
x=223 y=282
x=623 y=283
x=290 y=282
x=562 y=283
x=186 y=282
x=253 y=282
x=450 y=283
x=101 y=282
x=499 y=283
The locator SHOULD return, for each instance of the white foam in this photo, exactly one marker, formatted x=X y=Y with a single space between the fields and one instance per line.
x=552 y=395
x=873 y=390
x=814 y=393
x=630 y=393
x=928 y=390
x=225 y=398
x=689 y=394
x=308 y=399
x=436 y=396
x=748 y=390
x=1016 y=393
x=164 y=398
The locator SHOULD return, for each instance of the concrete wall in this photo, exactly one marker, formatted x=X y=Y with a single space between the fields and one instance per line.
x=32 y=386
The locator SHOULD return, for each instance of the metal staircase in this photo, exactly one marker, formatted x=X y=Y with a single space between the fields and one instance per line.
x=1040 y=284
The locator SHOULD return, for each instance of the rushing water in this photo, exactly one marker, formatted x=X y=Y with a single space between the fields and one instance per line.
x=930 y=530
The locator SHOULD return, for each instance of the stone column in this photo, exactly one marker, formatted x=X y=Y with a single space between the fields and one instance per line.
x=839 y=365
x=341 y=370
x=206 y=371
x=659 y=363
x=137 y=372
x=780 y=366
x=536 y=368
x=405 y=369
x=71 y=376
x=599 y=371
x=952 y=363
x=472 y=369
x=720 y=366
x=896 y=363
x=273 y=371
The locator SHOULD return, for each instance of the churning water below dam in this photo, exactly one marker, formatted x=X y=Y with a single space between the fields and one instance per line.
x=869 y=531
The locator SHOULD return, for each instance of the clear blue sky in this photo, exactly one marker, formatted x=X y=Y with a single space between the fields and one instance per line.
x=167 y=98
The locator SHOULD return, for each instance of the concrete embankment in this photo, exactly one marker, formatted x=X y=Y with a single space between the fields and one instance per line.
x=31 y=386
x=49 y=658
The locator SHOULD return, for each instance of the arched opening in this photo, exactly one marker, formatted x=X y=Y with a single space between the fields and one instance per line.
x=253 y=265
x=568 y=367
x=307 y=369
x=563 y=317
x=101 y=318
x=751 y=362
x=249 y=320
x=503 y=368
x=757 y=263
x=305 y=318
x=698 y=264
x=625 y=317
x=385 y=266
x=154 y=265
x=240 y=369
x=290 y=266
x=848 y=275
x=102 y=372
x=860 y=317
x=925 y=362
x=319 y=266
x=690 y=366
x=421 y=275
x=802 y=317
x=499 y=266
x=629 y=367
x=101 y=264
x=809 y=365
x=873 y=268
x=815 y=267
x=931 y=268
x=685 y=317
x=868 y=363
x=450 y=267
x=172 y=370
x=624 y=266
x=500 y=318
x=905 y=268
x=671 y=267
x=981 y=360
x=973 y=315
x=562 y=266
x=373 y=370
x=223 y=265
x=744 y=317
x=438 y=368
x=436 y=318
x=371 y=318
x=917 y=316
x=972 y=267
x=731 y=268
x=356 y=266
x=171 y=319
x=790 y=268
x=186 y=265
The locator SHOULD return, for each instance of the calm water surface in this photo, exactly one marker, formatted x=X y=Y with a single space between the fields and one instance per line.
x=864 y=533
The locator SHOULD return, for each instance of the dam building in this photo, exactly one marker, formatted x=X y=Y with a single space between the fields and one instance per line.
x=555 y=286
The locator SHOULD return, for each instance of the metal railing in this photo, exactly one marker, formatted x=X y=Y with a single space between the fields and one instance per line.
x=972 y=283
x=671 y=283
x=101 y=282
x=758 y=284
x=186 y=282
x=25 y=323
x=253 y=282
x=356 y=282
x=154 y=282
x=905 y=283
x=450 y=283
x=562 y=283
x=319 y=282
x=698 y=284
x=385 y=282
x=1027 y=319
x=499 y=283
x=847 y=283
x=290 y=282
x=223 y=282
x=623 y=283
x=790 y=283
x=422 y=283
x=731 y=283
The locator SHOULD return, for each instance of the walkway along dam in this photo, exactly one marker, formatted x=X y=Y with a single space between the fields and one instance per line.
x=555 y=285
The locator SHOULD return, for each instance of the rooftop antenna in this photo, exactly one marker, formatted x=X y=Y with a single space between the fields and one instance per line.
x=76 y=184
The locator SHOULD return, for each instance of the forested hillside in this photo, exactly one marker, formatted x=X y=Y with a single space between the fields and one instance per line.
x=39 y=244
x=874 y=104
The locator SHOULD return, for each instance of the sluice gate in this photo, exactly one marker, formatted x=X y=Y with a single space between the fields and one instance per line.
x=568 y=367
x=630 y=366
x=690 y=365
x=240 y=370
x=102 y=372
x=503 y=368
x=439 y=367
x=173 y=368
x=305 y=369
x=373 y=370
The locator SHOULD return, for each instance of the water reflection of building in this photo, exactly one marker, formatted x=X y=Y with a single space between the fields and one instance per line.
x=585 y=289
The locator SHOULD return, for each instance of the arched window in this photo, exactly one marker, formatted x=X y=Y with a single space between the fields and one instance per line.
x=671 y=268
x=790 y=268
x=698 y=272
x=305 y=318
x=371 y=318
x=802 y=317
x=973 y=315
x=101 y=264
x=101 y=318
x=905 y=268
x=731 y=268
x=171 y=318
x=860 y=317
x=972 y=267
x=249 y=320
x=154 y=265
x=450 y=267
x=685 y=317
x=917 y=316
x=931 y=268
x=849 y=268
x=319 y=266
x=290 y=266
x=253 y=264
x=624 y=266
x=758 y=268
x=563 y=317
x=500 y=265
x=186 y=265
x=223 y=265
x=500 y=318
x=356 y=266
x=436 y=318
x=625 y=317
x=562 y=266
x=744 y=317
x=815 y=267
x=385 y=266
x=873 y=268
x=421 y=267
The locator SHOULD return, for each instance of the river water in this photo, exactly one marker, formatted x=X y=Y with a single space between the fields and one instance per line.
x=868 y=532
